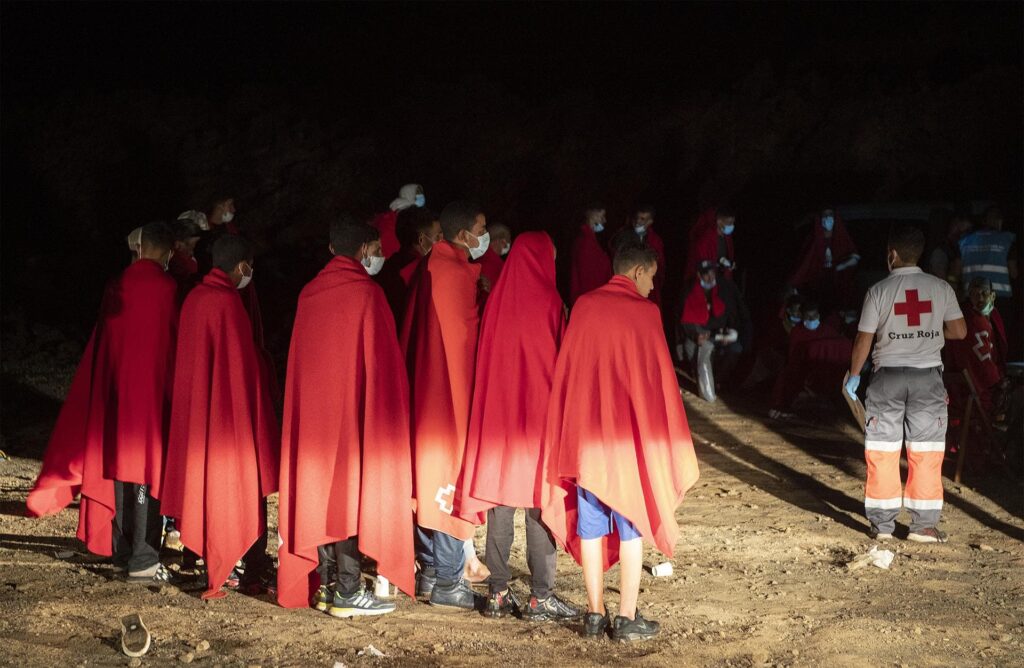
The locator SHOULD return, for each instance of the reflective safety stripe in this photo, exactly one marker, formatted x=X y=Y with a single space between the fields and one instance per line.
x=883 y=503
x=919 y=504
x=993 y=268
x=1000 y=286
x=926 y=446
x=884 y=446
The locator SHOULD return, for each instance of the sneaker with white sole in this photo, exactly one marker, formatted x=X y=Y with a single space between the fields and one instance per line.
x=879 y=535
x=929 y=535
x=360 y=604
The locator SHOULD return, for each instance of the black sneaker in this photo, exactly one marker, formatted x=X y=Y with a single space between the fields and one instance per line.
x=426 y=578
x=877 y=534
x=135 y=636
x=551 y=608
x=360 y=604
x=625 y=629
x=263 y=583
x=595 y=624
x=458 y=596
x=322 y=598
x=502 y=605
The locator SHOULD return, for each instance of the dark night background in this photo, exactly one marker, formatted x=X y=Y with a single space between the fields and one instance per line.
x=114 y=115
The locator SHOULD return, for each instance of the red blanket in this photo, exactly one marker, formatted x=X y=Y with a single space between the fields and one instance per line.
x=386 y=223
x=346 y=468
x=591 y=266
x=696 y=310
x=490 y=266
x=113 y=423
x=981 y=351
x=222 y=456
x=811 y=271
x=439 y=336
x=519 y=337
x=704 y=244
x=655 y=242
x=616 y=424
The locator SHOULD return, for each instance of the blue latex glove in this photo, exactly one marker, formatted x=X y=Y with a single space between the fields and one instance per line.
x=851 y=386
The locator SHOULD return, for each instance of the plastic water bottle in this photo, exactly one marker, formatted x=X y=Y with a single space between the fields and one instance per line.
x=381 y=587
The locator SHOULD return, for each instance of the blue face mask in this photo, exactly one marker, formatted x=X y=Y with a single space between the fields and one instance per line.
x=421 y=200
x=599 y=227
x=794 y=319
x=828 y=222
x=707 y=285
x=812 y=324
x=727 y=230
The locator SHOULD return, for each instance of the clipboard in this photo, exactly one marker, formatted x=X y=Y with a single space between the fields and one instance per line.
x=856 y=407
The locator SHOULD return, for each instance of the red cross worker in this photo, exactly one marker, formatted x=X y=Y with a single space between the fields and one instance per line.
x=907 y=316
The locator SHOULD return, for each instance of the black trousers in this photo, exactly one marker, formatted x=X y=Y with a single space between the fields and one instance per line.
x=540 y=550
x=137 y=527
x=339 y=565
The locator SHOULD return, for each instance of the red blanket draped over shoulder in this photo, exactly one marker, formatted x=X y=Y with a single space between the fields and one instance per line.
x=981 y=352
x=704 y=244
x=616 y=424
x=222 y=455
x=346 y=468
x=113 y=424
x=439 y=336
x=697 y=310
x=519 y=337
x=591 y=266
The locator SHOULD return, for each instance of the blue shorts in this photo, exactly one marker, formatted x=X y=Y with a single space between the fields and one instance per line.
x=596 y=520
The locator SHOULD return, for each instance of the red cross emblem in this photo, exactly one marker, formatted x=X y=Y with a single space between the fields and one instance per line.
x=912 y=308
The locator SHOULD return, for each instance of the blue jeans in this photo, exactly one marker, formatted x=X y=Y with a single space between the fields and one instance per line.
x=441 y=552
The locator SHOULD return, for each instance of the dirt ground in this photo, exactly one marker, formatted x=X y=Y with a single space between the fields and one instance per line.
x=760 y=574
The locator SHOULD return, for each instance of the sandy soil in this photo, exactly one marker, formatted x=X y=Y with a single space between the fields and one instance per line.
x=760 y=575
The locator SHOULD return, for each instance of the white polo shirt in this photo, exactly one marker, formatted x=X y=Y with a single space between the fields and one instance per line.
x=906 y=312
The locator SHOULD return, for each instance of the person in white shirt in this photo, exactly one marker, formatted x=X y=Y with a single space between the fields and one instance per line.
x=907 y=316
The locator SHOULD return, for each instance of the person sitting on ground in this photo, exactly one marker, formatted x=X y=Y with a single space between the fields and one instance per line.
x=983 y=352
x=618 y=452
x=817 y=358
x=708 y=329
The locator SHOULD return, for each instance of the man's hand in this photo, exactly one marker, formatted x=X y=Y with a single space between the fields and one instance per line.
x=851 y=386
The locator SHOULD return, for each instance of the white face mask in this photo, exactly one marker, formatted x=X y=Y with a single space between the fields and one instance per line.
x=640 y=229
x=228 y=216
x=245 y=279
x=483 y=241
x=373 y=264
x=506 y=249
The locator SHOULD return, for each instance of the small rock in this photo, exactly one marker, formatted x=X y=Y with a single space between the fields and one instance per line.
x=438 y=648
x=917 y=630
x=984 y=548
x=1005 y=637
x=202 y=645
x=135 y=663
x=82 y=571
x=169 y=590
x=796 y=652
x=187 y=657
